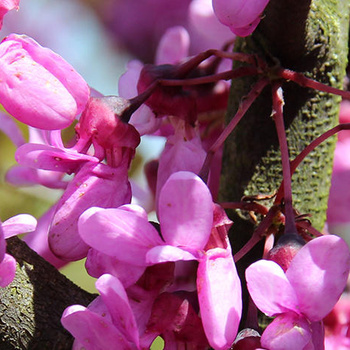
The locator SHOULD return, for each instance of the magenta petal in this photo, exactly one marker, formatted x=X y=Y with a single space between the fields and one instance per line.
x=114 y=296
x=318 y=274
x=270 y=289
x=50 y=158
x=18 y=224
x=166 y=253
x=10 y=128
x=286 y=332
x=98 y=264
x=119 y=233
x=185 y=211
x=7 y=270
x=173 y=47
x=38 y=87
x=92 y=330
x=95 y=184
x=219 y=296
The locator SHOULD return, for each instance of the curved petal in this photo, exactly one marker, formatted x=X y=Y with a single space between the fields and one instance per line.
x=173 y=46
x=219 y=296
x=38 y=87
x=166 y=253
x=185 y=211
x=119 y=233
x=114 y=296
x=18 y=224
x=7 y=270
x=286 y=332
x=98 y=264
x=94 y=185
x=50 y=158
x=318 y=274
x=92 y=330
x=270 y=289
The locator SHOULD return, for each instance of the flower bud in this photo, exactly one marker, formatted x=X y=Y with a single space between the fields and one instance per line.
x=241 y=16
x=285 y=250
x=37 y=86
x=101 y=121
x=247 y=339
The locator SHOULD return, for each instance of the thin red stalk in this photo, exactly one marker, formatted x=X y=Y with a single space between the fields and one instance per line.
x=242 y=109
x=302 y=80
x=231 y=74
x=249 y=206
x=193 y=62
x=258 y=233
x=309 y=148
x=277 y=114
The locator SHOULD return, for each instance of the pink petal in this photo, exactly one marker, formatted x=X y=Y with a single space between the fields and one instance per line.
x=219 y=296
x=50 y=158
x=38 y=240
x=179 y=154
x=38 y=87
x=185 y=211
x=98 y=264
x=7 y=270
x=121 y=233
x=92 y=330
x=173 y=47
x=240 y=14
x=2 y=243
x=10 y=128
x=95 y=184
x=286 y=332
x=318 y=274
x=5 y=6
x=166 y=253
x=18 y=224
x=114 y=296
x=270 y=289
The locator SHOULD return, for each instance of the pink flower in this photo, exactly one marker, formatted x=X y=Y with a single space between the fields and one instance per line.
x=301 y=297
x=37 y=86
x=241 y=16
x=185 y=214
x=6 y=6
x=16 y=225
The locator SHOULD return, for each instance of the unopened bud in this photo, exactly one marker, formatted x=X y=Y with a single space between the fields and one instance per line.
x=285 y=250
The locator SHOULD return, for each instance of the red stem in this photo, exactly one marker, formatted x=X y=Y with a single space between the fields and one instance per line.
x=277 y=114
x=302 y=155
x=302 y=80
x=258 y=233
x=242 y=109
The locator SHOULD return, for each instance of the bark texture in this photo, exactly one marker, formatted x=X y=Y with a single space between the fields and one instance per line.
x=32 y=305
x=309 y=37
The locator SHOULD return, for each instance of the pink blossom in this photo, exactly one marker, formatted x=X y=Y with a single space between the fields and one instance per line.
x=6 y=6
x=11 y=227
x=241 y=16
x=300 y=300
x=185 y=213
x=38 y=87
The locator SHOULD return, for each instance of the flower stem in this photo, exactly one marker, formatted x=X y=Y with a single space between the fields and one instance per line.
x=277 y=114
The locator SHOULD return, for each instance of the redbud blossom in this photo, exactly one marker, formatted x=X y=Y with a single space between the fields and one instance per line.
x=13 y=226
x=300 y=300
x=6 y=6
x=241 y=16
x=37 y=86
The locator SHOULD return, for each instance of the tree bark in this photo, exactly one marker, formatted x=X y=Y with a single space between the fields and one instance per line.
x=32 y=305
x=309 y=37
